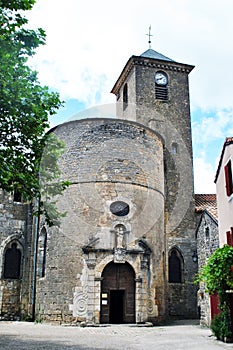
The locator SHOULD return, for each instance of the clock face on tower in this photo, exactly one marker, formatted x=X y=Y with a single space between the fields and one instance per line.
x=161 y=78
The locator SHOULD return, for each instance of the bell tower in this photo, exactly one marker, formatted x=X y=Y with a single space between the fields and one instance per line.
x=153 y=90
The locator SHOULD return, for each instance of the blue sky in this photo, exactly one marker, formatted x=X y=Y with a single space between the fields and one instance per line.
x=88 y=44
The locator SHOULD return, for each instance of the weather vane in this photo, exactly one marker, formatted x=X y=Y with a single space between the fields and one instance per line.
x=150 y=35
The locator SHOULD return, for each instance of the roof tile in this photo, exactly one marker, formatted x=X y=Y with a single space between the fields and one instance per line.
x=206 y=202
x=156 y=55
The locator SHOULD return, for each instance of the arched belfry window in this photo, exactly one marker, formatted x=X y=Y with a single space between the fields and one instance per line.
x=175 y=266
x=125 y=96
x=12 y=261
x=161 y=86
x=42 y=247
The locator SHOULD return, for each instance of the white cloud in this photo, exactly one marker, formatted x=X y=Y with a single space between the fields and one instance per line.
x=98 y=38
x=204 y=175
x=215 y=127
x=209 y=134
x=89 y=42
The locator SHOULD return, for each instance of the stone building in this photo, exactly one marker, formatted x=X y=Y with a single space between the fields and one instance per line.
x=124 y=251
x=16 y=255
x=207 y=242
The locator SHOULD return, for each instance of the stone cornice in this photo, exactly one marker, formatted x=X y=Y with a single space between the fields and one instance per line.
x=151 y=63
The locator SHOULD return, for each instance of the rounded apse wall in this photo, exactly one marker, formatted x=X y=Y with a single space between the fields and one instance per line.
x=113 y=167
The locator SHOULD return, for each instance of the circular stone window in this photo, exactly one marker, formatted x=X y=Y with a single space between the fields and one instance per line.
x=119 y=208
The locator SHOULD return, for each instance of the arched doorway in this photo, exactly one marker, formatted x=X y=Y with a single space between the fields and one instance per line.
x=118 y=294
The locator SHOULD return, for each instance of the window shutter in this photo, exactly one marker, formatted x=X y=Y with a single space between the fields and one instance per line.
x=161 y=93
x=232 y=236
x=228 y=178
x=229 y=238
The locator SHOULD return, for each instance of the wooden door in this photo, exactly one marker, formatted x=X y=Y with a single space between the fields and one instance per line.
x=214 y=305
x=118 y=294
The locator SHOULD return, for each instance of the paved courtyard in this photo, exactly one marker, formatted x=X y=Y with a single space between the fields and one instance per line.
x=179 y=336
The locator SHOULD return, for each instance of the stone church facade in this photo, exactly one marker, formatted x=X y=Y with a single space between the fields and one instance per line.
x=123 y=252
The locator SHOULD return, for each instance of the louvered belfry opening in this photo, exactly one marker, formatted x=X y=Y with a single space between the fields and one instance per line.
x=161 y=93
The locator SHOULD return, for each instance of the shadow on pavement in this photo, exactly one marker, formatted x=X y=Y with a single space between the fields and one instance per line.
x=13 y=343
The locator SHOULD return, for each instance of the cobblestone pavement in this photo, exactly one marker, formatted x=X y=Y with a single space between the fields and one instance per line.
x=30 y=336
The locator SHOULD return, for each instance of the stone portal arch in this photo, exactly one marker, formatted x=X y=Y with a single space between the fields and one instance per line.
x=118 y=293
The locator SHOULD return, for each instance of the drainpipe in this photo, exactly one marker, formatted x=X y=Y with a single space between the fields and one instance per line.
x=35 y=248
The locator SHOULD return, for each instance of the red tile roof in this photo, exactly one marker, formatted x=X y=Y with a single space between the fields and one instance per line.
x=206 y=202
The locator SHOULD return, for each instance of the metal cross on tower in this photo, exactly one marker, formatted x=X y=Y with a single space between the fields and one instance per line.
x=150 y=35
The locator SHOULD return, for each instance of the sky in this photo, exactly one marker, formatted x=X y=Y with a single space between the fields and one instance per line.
x=89 y=42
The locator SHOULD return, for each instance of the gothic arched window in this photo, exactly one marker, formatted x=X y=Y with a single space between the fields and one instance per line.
x=175 y=266
x=12 y=262
x=42 y=246
x=125 y=96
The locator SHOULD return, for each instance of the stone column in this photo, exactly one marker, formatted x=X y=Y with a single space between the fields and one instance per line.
x=97 y=291
x=138 y=299
x=91 y=263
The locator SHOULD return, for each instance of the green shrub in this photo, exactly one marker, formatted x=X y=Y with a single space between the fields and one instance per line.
x=217 y=275
x=221 y=325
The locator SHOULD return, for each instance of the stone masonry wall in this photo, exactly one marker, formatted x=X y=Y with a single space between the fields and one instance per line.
x=15 y=226
x=105 y=161
x=171 y=119
x=207 y=243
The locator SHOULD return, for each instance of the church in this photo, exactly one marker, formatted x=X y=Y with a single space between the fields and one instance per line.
x=125 y=252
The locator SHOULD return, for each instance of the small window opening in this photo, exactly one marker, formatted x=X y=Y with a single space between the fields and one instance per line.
x=119 y=208
x=174 y=148
x=125 y=96
x=207 y=231
x=17 y=197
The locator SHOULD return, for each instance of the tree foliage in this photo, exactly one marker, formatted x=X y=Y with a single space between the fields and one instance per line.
x=25 y=105
x=217 y=275
x=49 y=180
